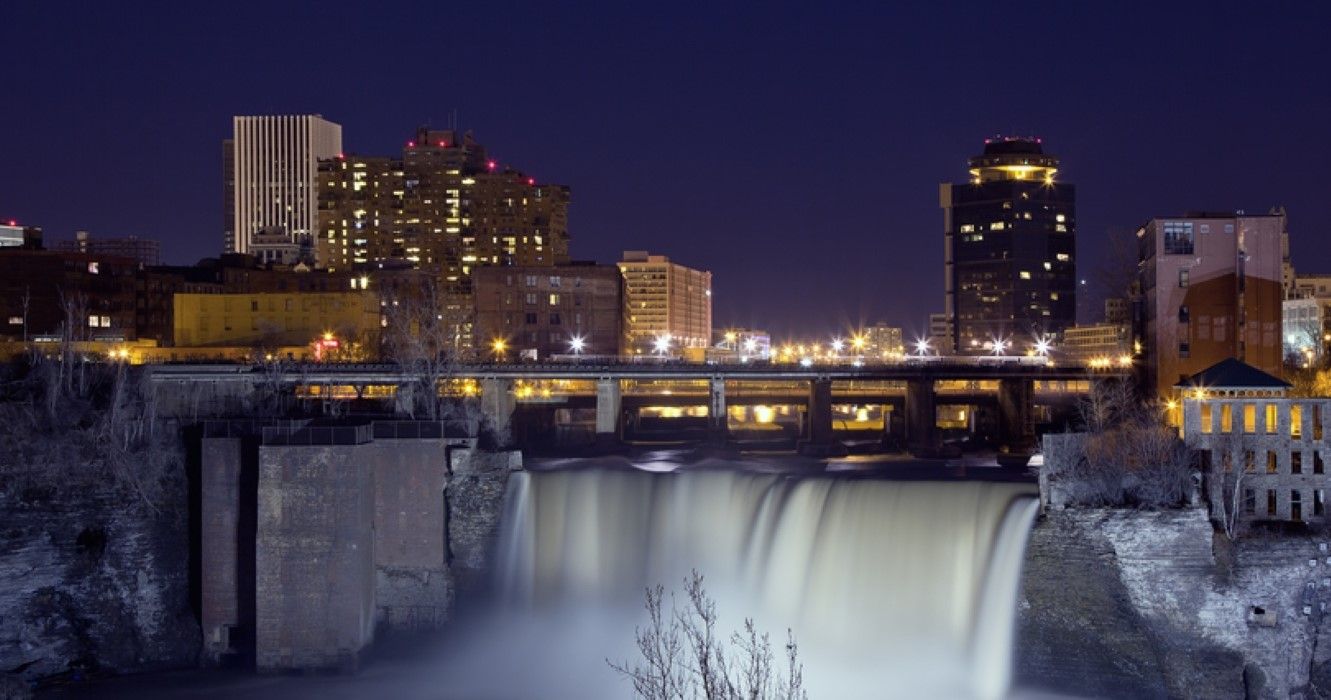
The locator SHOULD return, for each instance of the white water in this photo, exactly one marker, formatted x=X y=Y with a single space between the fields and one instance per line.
x=893 y=589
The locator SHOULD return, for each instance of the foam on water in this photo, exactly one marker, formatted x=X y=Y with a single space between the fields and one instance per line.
x=894 y=589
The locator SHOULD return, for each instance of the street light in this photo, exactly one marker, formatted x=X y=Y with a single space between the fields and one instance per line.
x=922 y=347
x=499 y=345
x=838 y=345
x=576 y=344
x=661 y=345
x=1042 y=347
x=998 y=345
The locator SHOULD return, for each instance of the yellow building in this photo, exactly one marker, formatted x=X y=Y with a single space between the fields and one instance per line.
x=273 y=320
x=668 y=307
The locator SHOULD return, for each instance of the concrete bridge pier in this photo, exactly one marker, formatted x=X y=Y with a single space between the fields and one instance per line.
x=498 y=404
x=609 y=409
x=1016 y=432
x=819 y=439
x=921 y=417
x=718 y=424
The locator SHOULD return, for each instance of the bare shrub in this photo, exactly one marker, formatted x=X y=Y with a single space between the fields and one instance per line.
x=682 y=656
x=91 y=428
x=1130 y=457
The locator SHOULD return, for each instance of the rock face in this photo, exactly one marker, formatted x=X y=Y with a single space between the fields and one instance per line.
x=1119 y=603
x=92 y=583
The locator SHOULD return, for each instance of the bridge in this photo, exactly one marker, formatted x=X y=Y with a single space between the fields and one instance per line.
x=909 y=391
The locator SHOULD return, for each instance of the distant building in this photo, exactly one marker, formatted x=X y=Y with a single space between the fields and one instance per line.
x=272 y=320
x=273 y=247
x=571 y=309
x=14 y=236
x=52 y=295
x=1304 y=331
x=443 y=206
x=145 y=250
x=940 y=335
x=1211 y=286
x=740 y=345
x=11 y=236
x=668 y=307
x=1118 y=310
x=274 y=163
x=880 y=342
x=1109 y=341
x=1009 y=248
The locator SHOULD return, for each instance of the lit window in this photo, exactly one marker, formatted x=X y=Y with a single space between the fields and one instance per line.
x=1048 y=266
x=997 y=226
x=1025 y=275
x=15 y=320
x=1063 y=257
x=92 y=268
x=967 y=228
x=1060 y=218
x=554 y=300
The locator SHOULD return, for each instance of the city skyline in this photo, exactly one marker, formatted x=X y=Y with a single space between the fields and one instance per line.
x=818 y=146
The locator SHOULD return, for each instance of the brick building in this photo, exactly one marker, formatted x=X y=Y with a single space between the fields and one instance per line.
x=570 y=309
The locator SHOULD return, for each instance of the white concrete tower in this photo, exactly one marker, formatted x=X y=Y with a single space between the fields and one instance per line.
x=275 y=166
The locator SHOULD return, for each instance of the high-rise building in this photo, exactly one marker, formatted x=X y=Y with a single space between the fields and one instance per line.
x=145 y=250
x=274 y=174
x=540 y=311
x=12 y=235
x=228 y=196
x=668 y=307
x=1009 y=238
x=879 y=342
x=443 y=206
x=1211 y=290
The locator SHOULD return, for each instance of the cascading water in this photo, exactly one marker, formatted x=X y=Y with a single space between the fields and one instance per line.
x=894 y=589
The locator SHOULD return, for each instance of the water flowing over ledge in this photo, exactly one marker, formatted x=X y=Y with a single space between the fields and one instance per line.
x=894 y=589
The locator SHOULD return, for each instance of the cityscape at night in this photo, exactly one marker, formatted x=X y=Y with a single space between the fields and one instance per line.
x=608 y=350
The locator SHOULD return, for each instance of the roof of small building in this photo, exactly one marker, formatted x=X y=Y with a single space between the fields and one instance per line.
x=1232 y=373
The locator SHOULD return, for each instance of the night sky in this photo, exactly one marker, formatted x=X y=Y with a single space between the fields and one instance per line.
x=795 y=151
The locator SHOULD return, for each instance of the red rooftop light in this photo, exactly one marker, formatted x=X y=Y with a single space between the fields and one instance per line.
x=443 y=144
x=531 y=181
x=13 y=222
x=411 y=144
x=491 y=165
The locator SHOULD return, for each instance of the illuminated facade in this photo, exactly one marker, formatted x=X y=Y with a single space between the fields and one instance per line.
x=273 y=320
x=668 y=307
x=273 y=163
x=1212 y=290
x=1009 y=237
x=880 y=342
x=1109 y=341
x=445 y=207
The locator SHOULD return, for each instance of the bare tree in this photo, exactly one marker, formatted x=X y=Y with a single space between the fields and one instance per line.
x=1226 y=478
x=684 y=658
x=421 y=336
x=1129 y=456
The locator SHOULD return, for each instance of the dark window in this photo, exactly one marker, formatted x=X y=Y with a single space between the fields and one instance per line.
x=1272 y=463
x=531 y=319
x=1249 y=501
x=1295 y=506
x=1183 y=314
x=1270 y=501
x=1318 y=467
x=1319 y=503
x=554 y=319
x=1296 y=462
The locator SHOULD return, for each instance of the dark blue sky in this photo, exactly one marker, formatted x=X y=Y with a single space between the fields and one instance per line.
x=793 y=150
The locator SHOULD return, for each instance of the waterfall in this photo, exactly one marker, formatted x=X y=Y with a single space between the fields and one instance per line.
x=893 y=588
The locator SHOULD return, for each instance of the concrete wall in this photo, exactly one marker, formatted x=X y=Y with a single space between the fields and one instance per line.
x=412 y=582
x=348 y=538
x=315 y=574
